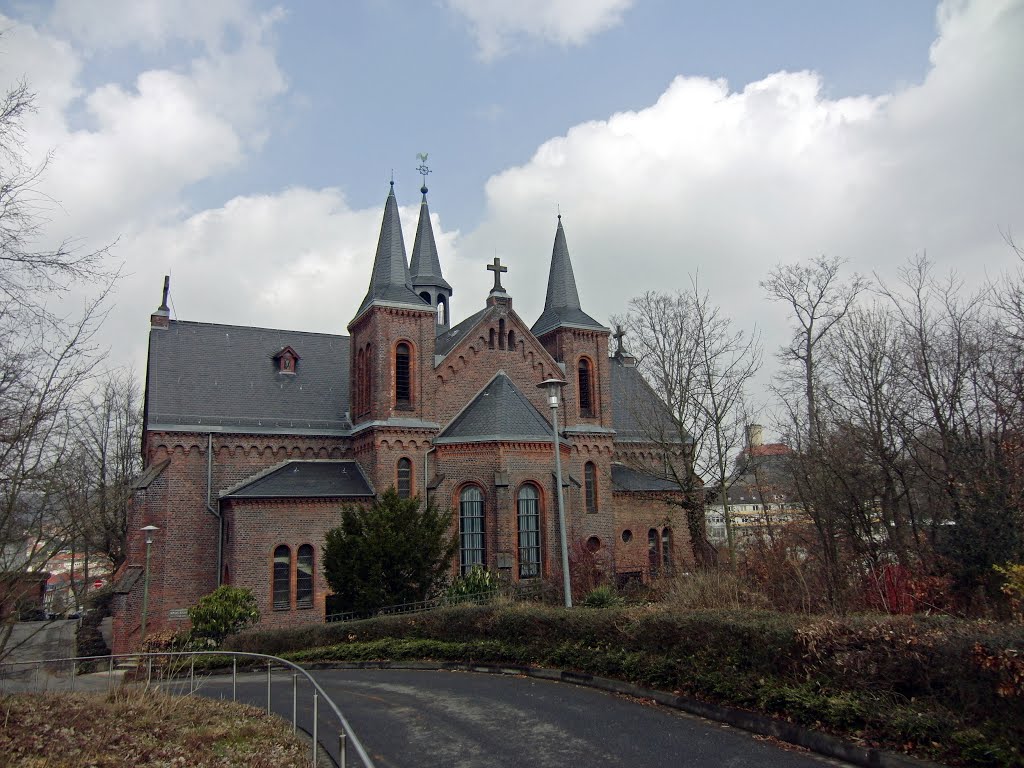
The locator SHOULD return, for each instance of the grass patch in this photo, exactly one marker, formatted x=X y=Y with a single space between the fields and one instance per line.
x=134 y=727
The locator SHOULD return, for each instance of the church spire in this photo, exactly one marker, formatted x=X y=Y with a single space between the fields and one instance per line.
x=562 y=304
x=427 y=280
x=390 y=282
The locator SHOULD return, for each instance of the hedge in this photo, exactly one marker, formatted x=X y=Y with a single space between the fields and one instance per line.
x=939 y=688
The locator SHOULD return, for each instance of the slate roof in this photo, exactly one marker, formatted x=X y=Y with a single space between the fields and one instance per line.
x=447 y=340
x=305 y=480
x=562 y=303
x=390 y=281
x=209 y=375
x=425 y=266
x=499 y=412
x=628 y=479
x=637 y=412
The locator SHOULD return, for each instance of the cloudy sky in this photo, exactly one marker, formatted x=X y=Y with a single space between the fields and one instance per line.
x=245 y=147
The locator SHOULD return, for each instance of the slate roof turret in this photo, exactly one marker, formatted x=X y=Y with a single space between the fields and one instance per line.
x=390 y=282
x=562 y=303
x=425 y=266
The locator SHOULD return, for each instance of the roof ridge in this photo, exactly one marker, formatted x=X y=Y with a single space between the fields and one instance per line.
x=259 y=328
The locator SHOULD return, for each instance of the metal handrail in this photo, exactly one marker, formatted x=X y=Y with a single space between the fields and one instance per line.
x=347 y=734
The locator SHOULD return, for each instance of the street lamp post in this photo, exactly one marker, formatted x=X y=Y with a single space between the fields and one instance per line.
x=553 y=387
x=145 y=579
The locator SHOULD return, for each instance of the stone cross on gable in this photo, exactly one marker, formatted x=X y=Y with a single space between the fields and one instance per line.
x=497 y=269
x=618 y=336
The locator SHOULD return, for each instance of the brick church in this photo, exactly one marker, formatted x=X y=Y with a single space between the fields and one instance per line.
x=254 y=438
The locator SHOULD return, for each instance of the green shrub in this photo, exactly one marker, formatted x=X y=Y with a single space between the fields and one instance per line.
x=602 y=597
x=225 y=611
x=477 y=583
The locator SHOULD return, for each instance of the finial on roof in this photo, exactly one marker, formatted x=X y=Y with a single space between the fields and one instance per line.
x=167 y=289
x=559 y=209
x=423 y=170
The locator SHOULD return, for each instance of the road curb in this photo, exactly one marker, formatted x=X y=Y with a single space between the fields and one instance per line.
x=816 y=741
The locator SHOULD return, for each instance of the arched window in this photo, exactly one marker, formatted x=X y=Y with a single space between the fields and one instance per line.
x=442 y=310
x=512 y=340
x=357 y=392
x=282 y=587
x=367 y=378
x=403 y=375
x=501 y=333
x=653 y=557
x=590 y=486
x=425 y=295
x=666 y=549
x=404 y=478
x=528 y=515
x=471 y=528
x=490 y=339
x=304 y=577
x=586 y=388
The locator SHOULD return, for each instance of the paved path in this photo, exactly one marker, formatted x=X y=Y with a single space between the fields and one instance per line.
x=426 y=718
x=38 y=640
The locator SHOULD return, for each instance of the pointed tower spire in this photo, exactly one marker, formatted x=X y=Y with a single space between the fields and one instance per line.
x=390 y=282
x=427 y=280
x=562 y=304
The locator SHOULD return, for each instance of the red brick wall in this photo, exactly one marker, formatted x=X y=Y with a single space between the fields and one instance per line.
x=256 y=528
x=640 y=512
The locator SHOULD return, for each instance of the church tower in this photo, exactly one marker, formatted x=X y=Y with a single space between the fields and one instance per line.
x=576 y=340
x=392 y=334
x=427 y=280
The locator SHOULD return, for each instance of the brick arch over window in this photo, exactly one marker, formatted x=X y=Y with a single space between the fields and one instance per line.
x=585 y=381
x=281 y=580
x=304 y=571
x=471 y=528
x=403 y=374
x=403 y=479
x=528 y=531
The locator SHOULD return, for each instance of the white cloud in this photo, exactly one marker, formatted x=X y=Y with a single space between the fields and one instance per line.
x=731 y=182
x=498 y=25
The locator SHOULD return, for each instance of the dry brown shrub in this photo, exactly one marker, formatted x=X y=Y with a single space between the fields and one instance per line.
x=711 y=589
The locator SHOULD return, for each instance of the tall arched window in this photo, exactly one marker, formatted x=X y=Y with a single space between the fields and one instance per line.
x=586 y=388
x=490 y=339
x=357 y=392
x=590 y=486
x=367 y=378
x=512 y=340
x=471 y=528
x=442 y=311
x=403 y=375
x=653 y=557
x=282 y=586
x=404 y=478
x=501 y=333
x=304 y=577
x=528 y=515
x=666 y=549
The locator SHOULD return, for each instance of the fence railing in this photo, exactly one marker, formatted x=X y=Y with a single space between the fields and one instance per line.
x=166 y=667
x=521 y=591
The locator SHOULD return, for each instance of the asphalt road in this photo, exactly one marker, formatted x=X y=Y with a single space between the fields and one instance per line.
x=409 y=718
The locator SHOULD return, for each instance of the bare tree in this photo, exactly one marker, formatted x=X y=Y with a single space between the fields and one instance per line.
x=817 y=298
x=699 y=366
x=45 y=362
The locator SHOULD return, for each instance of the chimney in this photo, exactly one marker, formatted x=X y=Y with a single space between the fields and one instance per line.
x=162 y=317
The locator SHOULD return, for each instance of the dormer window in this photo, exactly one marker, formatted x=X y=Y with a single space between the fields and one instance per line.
x=286 y=360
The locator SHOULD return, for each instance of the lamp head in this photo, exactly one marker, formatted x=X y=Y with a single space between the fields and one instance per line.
x=553 y=387
x=149 y=532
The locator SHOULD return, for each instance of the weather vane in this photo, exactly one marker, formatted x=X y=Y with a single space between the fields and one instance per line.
x=422 y=168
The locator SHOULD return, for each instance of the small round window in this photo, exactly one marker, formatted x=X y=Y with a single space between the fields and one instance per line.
x=627 y=536
x=593 y=544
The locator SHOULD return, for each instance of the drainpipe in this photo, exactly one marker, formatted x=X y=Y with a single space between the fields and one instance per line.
x=215 y=511
x=426 y=492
